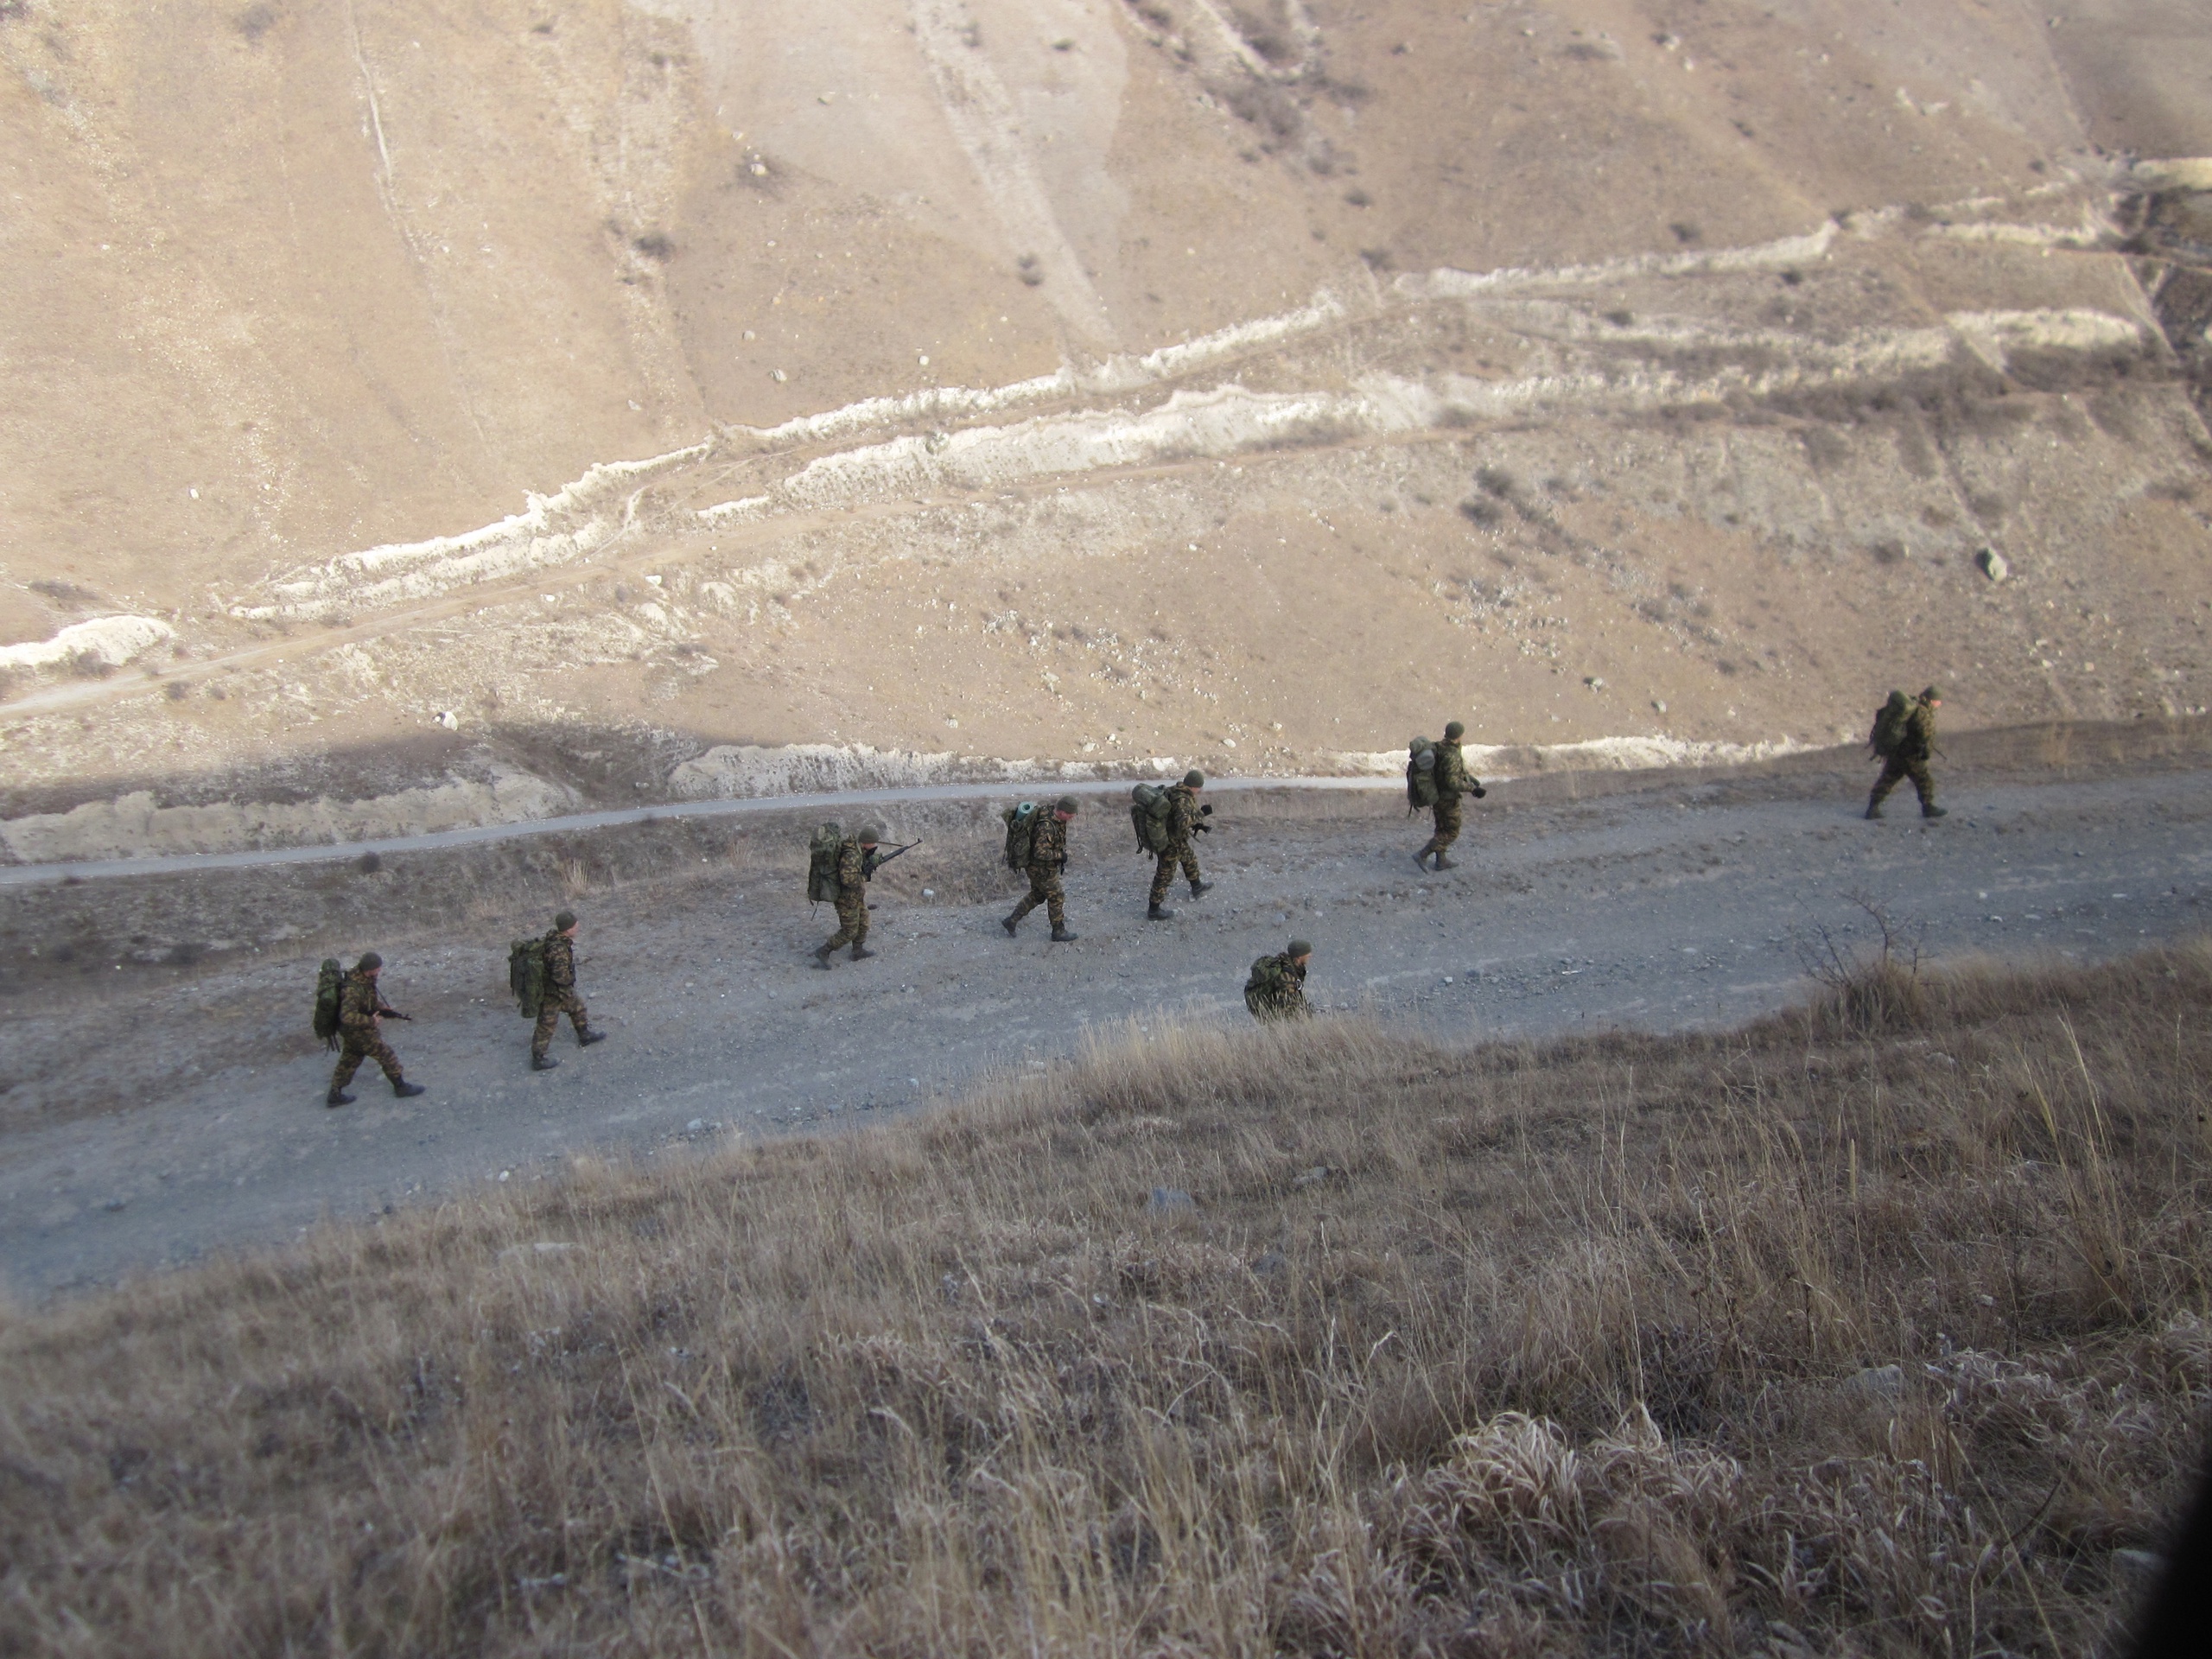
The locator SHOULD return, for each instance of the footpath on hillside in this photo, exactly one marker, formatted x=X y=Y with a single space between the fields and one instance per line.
x=1663 y=909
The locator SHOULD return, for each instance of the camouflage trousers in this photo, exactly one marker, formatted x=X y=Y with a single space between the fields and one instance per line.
x=852 y=926
x=1895 y=771
x=1166 y=872
x=557 y=1003
x=1447 y=810
x=353 y=1048
x=1045 y=889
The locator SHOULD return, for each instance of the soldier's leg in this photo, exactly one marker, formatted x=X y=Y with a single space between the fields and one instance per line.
x=548 y=1021
x=850 y=929
x=350 y=1055
x=380 y=1051
x=1893 y=773
x=1033 y=897
x=1161 y=876
x=1923 y=782
x=1447 y=828
x=579 y=1016
x=1055 y=902
x=1190 y=861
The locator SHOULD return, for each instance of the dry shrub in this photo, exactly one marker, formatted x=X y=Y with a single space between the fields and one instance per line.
x=1811 y=1337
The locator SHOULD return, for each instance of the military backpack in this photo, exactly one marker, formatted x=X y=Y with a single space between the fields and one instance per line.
x=1890 y=721
x=526 y=975
x=1263 y=990
x=823 y=885
x=1420 y=774
x=1020 y=833
x=329 y=991
x=1149 y=811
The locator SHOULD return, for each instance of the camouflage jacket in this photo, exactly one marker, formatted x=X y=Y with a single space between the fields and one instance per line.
x=559 y=961
x=1182 y=814
x=1452 y=777
x=1277 y=987
x=854 y=865
x=1919 y=739
x=359 y=1004
x=1049 y=849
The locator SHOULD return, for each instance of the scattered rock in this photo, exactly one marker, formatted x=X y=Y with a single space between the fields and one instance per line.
x=1312 y=1177
x=2137 y=1567
x=1169 y=1201
x=695 y=1125
x=1270 y=1264
x=543 y=1247
x=1991 y=564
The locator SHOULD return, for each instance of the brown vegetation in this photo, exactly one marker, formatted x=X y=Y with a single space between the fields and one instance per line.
x=1875 y=1328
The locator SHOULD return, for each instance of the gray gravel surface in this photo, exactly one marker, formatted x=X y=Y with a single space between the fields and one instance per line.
x=1660 y=910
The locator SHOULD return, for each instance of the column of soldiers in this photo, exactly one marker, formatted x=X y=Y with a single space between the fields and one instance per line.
x=1903 y=738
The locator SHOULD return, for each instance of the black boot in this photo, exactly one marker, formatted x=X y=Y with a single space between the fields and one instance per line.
x=1932 y=810
x=1199 y=889
x=405 y=1089
x=339 y=1097
x=543 y=1062
x=586 y=1038
x=1009 y=923
x=862 y=953
x=1159 y=913
x=822 y=958
x=1874 y=808
x=1061 y=935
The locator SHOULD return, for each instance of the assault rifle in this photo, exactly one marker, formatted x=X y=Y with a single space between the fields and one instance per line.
x=877 y=861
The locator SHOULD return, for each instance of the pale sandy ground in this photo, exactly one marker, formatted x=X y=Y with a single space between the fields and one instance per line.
x=181 y=1112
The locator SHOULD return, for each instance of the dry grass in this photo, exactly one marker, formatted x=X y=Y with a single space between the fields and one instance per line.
x=1494 y=1352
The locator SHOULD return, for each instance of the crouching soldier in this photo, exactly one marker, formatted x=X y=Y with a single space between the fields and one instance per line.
x=1276 y=989
x=360 y=1005
x=560 y=998
x=856 y=863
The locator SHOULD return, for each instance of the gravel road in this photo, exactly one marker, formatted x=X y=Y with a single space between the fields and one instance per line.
x=1669 y=907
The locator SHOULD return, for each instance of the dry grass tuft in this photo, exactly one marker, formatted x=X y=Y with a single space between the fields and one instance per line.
x=1849 y=1332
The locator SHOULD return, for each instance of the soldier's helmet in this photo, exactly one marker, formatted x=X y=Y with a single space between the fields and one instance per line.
x=369 y=963
x=1064 y=804
x=1453 y=732
x=1299 y=947
x=1194 y=779
x=564 y=921
x=870 y=836
x=1929 y=694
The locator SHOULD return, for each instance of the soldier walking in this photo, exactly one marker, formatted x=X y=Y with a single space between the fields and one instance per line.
x=560 y=948
x=1453 y=780
x=1184 y=819
x=855 y=864
x=360 y=1005
x=1276 y=989
x=1048 y=859
x=1908 y=758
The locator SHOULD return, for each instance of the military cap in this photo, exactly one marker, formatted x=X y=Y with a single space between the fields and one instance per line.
x=1453 y=732
x=1065 y=804
x=870 y=836
x=369 y=960
x=564 y=921
x=1929 y=694
x=1194 y=779
x=1299 y=947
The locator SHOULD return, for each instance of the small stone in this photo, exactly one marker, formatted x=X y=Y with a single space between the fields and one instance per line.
x=1170 y=1201
x=1991 y=564
x=1271 y=1263
x=1312 y=1177
x=1875 y=1382
x=2139 y=1567
x=696 y=1125
x=1659 y=704
x=777 y=376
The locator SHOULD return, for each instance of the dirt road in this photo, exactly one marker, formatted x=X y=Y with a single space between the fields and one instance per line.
x=1672 y=906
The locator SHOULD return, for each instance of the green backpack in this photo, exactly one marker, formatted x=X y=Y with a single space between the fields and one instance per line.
x=1149 y=808
x=1020 y=833
x=1888 y=735
x=1420 y=774
x=1265 y=986
x=526 y=975
x=329 y=988
x=822 y=884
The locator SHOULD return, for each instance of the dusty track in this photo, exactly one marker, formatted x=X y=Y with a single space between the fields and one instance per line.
x=1673 y=906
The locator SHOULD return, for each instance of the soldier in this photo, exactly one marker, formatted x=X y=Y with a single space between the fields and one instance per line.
x=1452 y=779
x=1184 y=820
x=1048 y=857
x=560 y=948
x=1276 y=989
x=1910 y=759
x=360 y=1005
x=855 y=864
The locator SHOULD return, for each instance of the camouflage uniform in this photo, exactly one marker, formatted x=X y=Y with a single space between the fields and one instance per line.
x=1182 y=824
x=1911 y=759
x=560 y=996
x=1048 y=856
x=1452 y=781
x=359 y=1039
x=854 y=865
x=1276 y=989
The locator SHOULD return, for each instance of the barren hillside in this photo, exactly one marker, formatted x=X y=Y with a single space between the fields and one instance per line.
x=478 y=413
